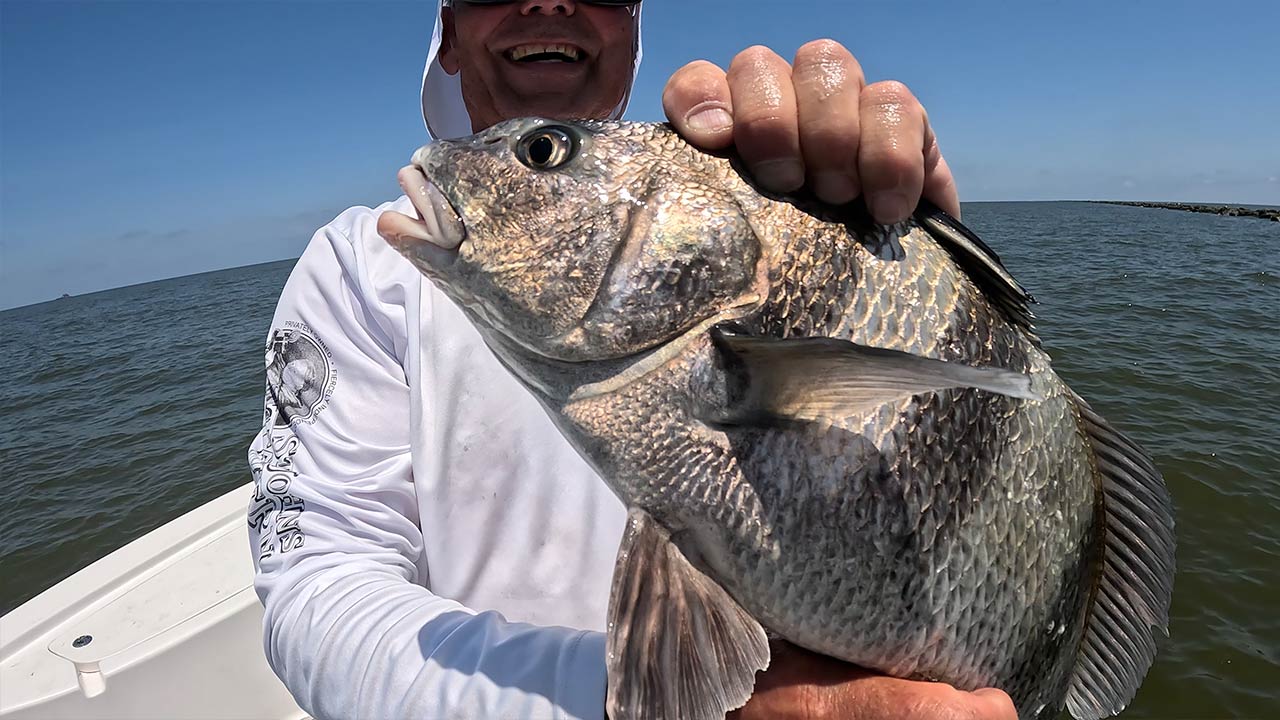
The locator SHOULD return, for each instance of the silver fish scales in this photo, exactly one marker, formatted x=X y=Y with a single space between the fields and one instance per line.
x=843 y=434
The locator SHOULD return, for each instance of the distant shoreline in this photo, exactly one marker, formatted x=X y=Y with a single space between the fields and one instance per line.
x=1227 y=210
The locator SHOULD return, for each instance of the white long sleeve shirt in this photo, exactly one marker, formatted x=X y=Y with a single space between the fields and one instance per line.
x=427 y=544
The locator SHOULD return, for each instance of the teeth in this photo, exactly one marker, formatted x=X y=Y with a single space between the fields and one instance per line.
x=523 y=51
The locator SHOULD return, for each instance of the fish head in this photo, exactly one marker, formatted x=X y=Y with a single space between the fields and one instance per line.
x=585 y=240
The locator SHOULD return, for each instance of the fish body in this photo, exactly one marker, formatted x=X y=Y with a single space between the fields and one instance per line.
x=838 y=433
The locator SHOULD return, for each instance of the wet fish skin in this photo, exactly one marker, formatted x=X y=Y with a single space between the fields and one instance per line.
x=1008 y=539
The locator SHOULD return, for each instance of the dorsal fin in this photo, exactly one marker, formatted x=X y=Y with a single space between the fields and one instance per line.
x=1135 y=584
x=980 y=263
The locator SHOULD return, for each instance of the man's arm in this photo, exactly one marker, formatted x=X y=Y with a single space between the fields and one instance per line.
x=349 y=627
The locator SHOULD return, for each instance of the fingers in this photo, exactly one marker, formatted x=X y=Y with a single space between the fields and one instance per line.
x=915 y=700
x=816 y=122
x=698 y=104
x=828 y=81
x=891 y=163
x=939 y=185
x=875 y=697
x=827 y=688
x=766 y=129
x=752 y=106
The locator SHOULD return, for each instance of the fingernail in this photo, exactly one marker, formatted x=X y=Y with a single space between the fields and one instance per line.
x=834 y=187
x=889 y=206
x=780 y=175
x=709 y=118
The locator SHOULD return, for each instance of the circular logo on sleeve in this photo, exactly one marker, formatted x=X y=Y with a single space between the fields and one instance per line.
x=300 y=374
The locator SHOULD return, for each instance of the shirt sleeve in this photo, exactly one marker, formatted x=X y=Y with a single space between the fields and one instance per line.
x=349 y=626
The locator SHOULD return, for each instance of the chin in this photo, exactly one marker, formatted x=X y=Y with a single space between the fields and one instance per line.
x=566 y=103
x=564 y=111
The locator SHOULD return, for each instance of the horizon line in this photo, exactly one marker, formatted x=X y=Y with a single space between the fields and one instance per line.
x=294 y=258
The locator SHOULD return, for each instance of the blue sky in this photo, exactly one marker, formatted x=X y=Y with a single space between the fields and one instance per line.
x=147 y=140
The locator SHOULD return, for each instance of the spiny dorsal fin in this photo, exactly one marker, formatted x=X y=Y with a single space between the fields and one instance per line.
x=678 y=645
x=771 y=379
x=1136 y=582
x=980 y=263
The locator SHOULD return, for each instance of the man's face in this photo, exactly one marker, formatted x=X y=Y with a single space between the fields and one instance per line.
x=553 y=58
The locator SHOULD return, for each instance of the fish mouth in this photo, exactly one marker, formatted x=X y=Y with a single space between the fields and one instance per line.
x=431 y=242
x=544 y=52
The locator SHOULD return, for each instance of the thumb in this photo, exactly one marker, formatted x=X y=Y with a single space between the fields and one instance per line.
x=699 y=105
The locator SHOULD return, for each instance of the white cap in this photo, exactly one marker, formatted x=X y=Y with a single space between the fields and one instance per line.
x=443 y=110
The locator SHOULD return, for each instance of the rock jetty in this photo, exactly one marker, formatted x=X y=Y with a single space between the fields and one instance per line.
x=1230 y=210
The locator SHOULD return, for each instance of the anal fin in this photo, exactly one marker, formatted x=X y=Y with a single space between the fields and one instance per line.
x=678 y=645
x=1136 y=582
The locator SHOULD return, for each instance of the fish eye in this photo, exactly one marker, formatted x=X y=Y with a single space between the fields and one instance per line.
x=546 y=148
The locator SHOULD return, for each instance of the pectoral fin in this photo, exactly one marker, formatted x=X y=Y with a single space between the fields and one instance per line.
x=768 y=379
x=1132 y=596
x=678 y=645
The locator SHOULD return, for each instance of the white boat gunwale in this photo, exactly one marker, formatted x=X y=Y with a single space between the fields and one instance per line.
x=175 y=626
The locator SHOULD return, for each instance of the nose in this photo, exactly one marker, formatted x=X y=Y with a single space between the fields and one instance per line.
x=548 y=7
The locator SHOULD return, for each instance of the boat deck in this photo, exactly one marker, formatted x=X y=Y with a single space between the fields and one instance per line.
x=166 y=627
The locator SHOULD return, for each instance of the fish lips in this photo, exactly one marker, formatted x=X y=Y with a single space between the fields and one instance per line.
x=432 y=243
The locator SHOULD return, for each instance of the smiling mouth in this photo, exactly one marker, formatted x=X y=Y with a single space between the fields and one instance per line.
x=557 y=52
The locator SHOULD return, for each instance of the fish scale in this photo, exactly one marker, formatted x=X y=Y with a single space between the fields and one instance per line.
x=828 y=431
x=848 y=620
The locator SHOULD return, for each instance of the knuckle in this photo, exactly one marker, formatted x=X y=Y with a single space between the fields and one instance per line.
x=760 y=84
x=699 y=73
x=699 y=80
x=757 y=59
x=824 y=52
x=698 y=69
x=889 y=92
x=699 y=66
x=759 y=53
x=824 y=69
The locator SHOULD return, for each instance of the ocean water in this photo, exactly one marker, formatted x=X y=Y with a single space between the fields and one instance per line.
x=123 y=409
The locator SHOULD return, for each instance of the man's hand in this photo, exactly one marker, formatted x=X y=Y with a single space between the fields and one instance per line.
x=815 y=122
x=801 y=685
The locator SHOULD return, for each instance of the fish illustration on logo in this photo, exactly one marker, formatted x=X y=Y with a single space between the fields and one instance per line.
x=300 y=374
